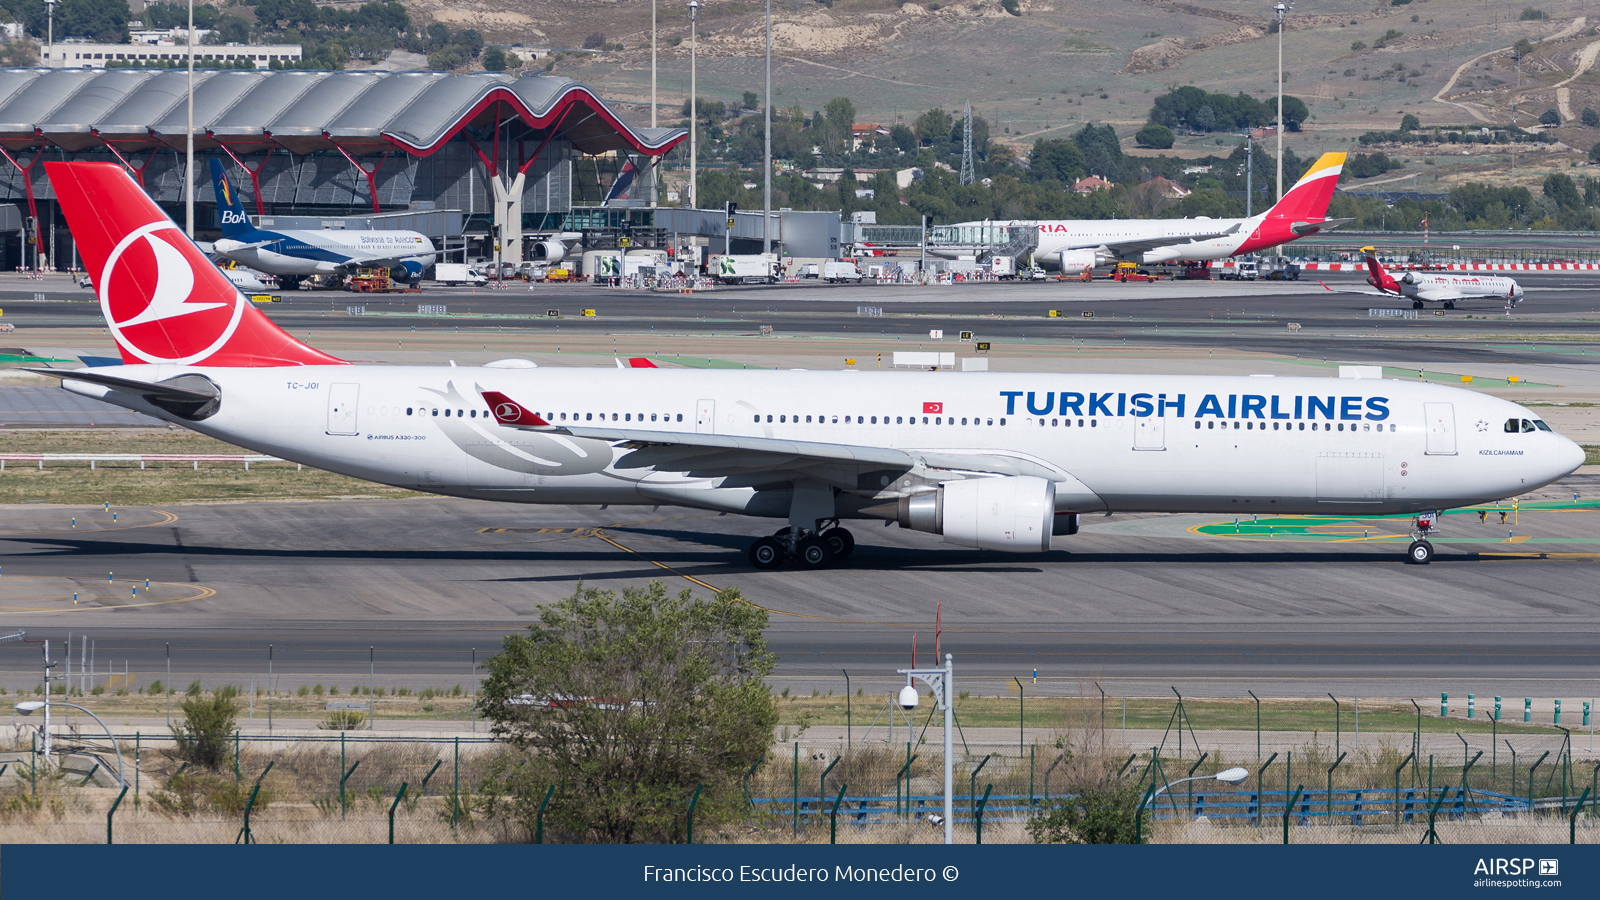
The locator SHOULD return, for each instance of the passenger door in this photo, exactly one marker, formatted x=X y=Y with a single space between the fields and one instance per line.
x=1441 y=428
x=705 y=417
x=1150 y=433
x=342 y=400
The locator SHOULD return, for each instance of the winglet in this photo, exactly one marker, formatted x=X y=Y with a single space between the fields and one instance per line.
x=511 y=413
x=639 y=362
x=1324 y=285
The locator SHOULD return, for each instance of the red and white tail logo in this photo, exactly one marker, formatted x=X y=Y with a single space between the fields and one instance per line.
x=509 y=412
x=163 y=301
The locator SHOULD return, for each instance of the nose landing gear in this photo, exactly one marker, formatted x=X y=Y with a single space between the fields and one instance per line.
x=811 y=549
x=1420 y=552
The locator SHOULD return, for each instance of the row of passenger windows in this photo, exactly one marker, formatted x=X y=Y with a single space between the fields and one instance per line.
x=873 y=420
x=550 y=416
x=1525 y=425
x=1290 y=426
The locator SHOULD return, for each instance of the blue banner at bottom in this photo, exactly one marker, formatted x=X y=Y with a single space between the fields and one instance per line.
x=643 y=872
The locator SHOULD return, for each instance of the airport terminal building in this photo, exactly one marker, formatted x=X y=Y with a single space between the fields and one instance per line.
x=461 y=157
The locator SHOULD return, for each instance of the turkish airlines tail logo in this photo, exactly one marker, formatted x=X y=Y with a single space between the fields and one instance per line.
x=509 y=412
x=163 y=301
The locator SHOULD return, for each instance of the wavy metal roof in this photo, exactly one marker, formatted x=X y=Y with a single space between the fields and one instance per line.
x=362 y=112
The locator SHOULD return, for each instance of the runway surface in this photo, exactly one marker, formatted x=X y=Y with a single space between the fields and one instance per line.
x=1136 y=603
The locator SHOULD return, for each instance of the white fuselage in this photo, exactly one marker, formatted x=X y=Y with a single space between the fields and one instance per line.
x=1067 y=235
x=330 y=252
x=1436 y=288
x=1161 y=443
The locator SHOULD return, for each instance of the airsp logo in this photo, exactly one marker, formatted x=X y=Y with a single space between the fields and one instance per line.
x=1549 y=867
x=507 y=412
x=147 y=293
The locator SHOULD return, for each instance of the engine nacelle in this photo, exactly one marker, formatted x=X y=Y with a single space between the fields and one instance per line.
x=1015 y=514
x=1408 y=278
x=1078 y=260
x=549 y=251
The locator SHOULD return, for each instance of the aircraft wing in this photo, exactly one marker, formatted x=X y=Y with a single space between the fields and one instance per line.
x=1155 y=243
x=386 y=261
x=1355 y=291
x=749 y=461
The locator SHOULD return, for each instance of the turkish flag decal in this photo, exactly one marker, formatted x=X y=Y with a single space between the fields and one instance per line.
x=933 y=407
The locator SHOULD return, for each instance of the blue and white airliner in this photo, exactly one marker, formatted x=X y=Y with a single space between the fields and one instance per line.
x=294 y=255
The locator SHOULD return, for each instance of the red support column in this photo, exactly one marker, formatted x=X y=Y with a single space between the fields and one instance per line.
x=33 y=208
x=372 y=180
x=255 y=174
x=136 y=171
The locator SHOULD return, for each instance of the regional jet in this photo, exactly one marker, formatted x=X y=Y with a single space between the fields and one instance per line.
x=1428 y=287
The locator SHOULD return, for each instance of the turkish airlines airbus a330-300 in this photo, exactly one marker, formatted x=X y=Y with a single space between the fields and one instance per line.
x=999 y=461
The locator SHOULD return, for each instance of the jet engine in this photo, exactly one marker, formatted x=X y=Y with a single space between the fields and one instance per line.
x=1078 y=260
x=1408 y=278
x=1015 y=513
x=549 y=251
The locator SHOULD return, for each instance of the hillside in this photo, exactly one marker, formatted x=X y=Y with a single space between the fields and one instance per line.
x=1058 y=64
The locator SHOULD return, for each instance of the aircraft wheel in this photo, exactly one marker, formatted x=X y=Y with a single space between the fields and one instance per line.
x=1449 y=305
x=289 y=283
x=766 y=553
x=814 y=553
x=840 y=541
x=1419 y=553
x=1416 y=304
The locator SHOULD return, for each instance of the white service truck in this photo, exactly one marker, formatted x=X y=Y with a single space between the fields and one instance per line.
x=840 y=270
x=458 y=274
x=750 y=268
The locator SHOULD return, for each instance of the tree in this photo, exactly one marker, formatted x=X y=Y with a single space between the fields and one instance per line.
x=935 y=124
x=494 y=60
x=1100 y=812
x=1561 y=190
x=19 y=53
x=1011 y=7
x=839 y=118
x=1590 y=118
x=1204 y=119
x=1295 y=112
x=594 y=41
x=903 y=138
x=1058 y=160
x=1549 y=117
x=1521 y=48
x=628 y=703
x=1155 y=136
x=1409 y=122
x=751 y=100
x=1594 y=153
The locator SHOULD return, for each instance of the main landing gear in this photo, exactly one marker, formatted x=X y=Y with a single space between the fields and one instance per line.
x=811 y=549
x=1420 y=552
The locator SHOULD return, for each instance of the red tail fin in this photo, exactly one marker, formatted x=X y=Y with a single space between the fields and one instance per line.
x=163 y=301
x=509 y=412
x=1380 y=279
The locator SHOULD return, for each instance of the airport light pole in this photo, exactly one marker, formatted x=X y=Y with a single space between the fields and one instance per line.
x=1226 y=776
x=50 y=32
x=694 y=107
x=766 y=151
x=188 y=144
x=1281 y=9
x=941 y=682
x=29 y=707
x=652 y=63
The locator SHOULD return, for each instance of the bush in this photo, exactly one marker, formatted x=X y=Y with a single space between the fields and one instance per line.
x=1358 y=45
x=343 y=720
x=317 y=689
x=1589 y=117
x=1092 y=814
x=594 y=41
x=1155 y=136
x=1549 y=117
x=1010 y=6
x=304 y=691
x=1409 y=122
x=156 y=688
x=202 y=737
x=1529 y=14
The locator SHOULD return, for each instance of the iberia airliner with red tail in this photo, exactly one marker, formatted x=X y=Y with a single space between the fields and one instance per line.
x=1073 y=245
x=996 y=461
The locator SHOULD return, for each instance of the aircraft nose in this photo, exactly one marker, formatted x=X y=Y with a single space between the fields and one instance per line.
x=1571 y=456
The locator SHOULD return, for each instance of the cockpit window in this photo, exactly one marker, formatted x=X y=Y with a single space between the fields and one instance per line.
x=1539 y=424
x=1513 y=426
x=1527 y=426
